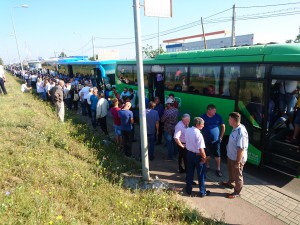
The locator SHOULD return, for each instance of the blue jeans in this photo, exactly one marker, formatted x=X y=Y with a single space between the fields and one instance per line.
x=94 y=121
x=170 y=144
x=84 y=107
x=151 y=142
x=193 y=161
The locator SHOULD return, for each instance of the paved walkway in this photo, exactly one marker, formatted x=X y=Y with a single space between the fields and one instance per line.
x=260 y=202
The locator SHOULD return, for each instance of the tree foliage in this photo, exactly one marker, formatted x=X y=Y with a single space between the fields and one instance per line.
x=149 y=52
x=62 y=55
x=1 y=62
x=297 y=40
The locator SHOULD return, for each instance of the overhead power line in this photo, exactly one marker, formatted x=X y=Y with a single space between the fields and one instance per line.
x=263 y=6
x=276 y=13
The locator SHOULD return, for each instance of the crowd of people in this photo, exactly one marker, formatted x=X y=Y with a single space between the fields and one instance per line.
x=192 y=145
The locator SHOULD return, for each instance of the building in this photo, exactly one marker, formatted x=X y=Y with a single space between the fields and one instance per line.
x=211 y=44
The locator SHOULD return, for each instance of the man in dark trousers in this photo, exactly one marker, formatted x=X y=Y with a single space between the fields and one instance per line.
x=127 y=120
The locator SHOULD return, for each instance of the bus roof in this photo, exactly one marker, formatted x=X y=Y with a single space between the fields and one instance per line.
x=255 y=53
x=85 y=62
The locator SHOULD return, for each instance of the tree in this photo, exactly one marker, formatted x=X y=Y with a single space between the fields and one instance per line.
x=149 y=52
x=62 y=55
x=92 y=58
x=1 y=62
x=297 y=40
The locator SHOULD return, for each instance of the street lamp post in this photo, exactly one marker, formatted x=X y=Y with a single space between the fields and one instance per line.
x=12 y=20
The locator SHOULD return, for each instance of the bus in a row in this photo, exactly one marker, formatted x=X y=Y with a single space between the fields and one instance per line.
x=102 y=73
x=252 y=80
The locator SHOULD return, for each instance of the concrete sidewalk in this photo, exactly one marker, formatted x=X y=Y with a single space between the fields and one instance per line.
x=260 y=202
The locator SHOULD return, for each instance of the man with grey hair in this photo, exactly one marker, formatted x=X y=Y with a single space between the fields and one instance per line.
x=179 y=137
x=59 y=100
x=196 y=157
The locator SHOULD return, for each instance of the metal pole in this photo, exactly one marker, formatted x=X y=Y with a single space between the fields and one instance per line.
x=205 y=46
x=141 y=92
x=93 y=48
x=233 y=27
x=158 y=35
x=12 y=20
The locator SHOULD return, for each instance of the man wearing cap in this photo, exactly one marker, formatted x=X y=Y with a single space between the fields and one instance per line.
x=196 y=157
x=169 y=118
x=179 y=137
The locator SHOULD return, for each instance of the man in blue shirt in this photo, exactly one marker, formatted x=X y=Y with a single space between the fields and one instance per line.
x=126 y=117
x=152 y=119
x=213 y=136
x=160 y=109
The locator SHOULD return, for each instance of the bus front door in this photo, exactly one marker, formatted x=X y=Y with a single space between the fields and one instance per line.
x=250 y=103
x=70 y=71
x=156 y=86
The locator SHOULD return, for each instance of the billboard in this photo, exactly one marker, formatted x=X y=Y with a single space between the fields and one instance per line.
x=158 y=8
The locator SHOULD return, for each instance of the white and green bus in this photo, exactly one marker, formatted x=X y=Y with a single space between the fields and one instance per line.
x=243 y=79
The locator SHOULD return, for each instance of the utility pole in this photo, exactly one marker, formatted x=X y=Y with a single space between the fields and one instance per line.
x=233 y=27
x=205 y=46
x=93 y=47
x=141 y=91
x=158 y=35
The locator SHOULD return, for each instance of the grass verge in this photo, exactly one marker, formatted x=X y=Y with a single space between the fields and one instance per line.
x=54 y=173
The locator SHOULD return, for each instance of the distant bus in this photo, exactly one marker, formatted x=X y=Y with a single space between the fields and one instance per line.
x=34 y=65
x=50 y=64
x=102 y=73
x=242 y=79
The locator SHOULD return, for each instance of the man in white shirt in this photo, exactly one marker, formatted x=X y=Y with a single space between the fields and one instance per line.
x=179 y=137
x=84 y=94
x=2 y=80
x=89 y=102
x=196 y=157
x=24 y=87
x=237 y=149
x=101 y=112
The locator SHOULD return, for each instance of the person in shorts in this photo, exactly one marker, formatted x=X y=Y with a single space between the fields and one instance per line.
x=213 y=136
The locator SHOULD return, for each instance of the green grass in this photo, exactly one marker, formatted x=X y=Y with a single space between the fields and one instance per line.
x=54 y=173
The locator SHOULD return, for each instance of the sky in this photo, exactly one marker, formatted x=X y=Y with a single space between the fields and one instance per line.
x=48 y=27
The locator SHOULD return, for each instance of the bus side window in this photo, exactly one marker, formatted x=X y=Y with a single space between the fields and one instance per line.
x=175 y=78
x=125 y=74
x=231 y=73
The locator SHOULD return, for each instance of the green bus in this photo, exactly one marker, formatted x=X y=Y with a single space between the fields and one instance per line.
x=247 y=79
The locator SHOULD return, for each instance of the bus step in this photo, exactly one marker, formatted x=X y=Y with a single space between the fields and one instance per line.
x=279 y=169
x=286 y=149
x=285 y=164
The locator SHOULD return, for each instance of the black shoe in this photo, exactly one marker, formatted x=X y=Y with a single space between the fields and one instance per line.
x=227 y=184
x=194 y=183
x=219 y=173
x=181 y=171
x=207 y=193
